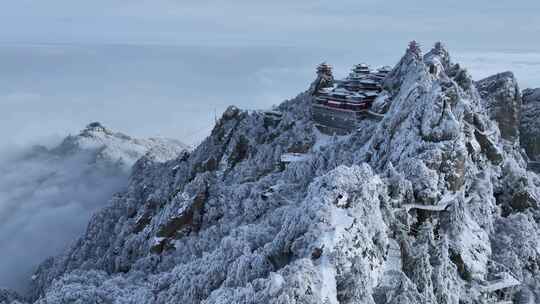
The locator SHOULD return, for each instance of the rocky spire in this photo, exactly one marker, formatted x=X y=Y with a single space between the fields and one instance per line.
x=438 y=58
x=409 y=63
x=502 y=98
x=415 y=49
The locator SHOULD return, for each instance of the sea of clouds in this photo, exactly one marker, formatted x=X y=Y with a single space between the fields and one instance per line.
x=46 y=200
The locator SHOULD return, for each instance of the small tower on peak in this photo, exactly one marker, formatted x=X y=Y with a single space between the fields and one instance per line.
x=95 y=126
x=325 y=79
x=415 y=48
x=324 y=69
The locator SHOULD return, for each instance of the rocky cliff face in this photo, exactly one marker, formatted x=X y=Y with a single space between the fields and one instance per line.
x=428 y=205
x=502 y=98
x=530 y=124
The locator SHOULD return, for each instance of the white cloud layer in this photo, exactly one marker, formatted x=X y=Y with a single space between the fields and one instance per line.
x=525 y=65
x=45 y=203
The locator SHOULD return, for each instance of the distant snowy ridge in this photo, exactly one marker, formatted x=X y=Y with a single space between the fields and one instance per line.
x=118 y=147
x=433 y=203
x=48 y=195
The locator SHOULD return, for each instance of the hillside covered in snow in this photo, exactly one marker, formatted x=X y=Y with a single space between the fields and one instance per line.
x=48 y=195
x=431 y=202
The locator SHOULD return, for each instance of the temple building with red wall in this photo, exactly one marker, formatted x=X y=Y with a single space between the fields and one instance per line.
x=339 y=105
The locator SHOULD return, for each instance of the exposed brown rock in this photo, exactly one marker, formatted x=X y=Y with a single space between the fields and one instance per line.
x=488 y=147
x=530 y=124
x=187 y=221
x=503 y=101
x=523 y=200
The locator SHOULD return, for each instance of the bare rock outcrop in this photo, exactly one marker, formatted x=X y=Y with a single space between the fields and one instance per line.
x=503 y=103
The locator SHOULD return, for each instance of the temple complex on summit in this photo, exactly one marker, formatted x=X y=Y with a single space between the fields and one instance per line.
x=339 y=104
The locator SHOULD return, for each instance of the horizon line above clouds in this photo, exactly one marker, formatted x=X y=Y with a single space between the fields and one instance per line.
x=174 y=103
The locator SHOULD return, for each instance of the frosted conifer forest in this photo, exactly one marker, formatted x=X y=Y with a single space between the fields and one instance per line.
x=432 y=199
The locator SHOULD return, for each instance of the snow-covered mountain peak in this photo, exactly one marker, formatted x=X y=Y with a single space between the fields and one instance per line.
x=414 y=49
x=426 y=203
x=96 y=127
x=410 y=67
x=113 y=147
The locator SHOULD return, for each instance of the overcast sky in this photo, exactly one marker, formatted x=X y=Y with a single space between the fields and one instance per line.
x=162 y=67
x=501 y=24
